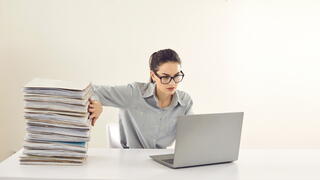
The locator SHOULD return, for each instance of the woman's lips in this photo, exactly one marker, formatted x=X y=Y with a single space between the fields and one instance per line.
x=170 y=89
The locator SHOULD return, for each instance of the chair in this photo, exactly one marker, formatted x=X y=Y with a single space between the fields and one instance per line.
x=113 y=134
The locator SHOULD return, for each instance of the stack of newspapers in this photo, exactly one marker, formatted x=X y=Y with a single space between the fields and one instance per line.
x=57 y=120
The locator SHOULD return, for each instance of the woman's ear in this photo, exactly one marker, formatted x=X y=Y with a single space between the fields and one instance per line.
x=152 y=76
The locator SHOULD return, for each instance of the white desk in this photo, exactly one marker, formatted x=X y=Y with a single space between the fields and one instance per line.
x=284 y=164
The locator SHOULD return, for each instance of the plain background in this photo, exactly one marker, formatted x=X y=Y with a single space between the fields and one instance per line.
x=256 y=56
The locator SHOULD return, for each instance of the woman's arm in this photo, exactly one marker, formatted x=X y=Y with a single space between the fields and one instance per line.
x=116 y=96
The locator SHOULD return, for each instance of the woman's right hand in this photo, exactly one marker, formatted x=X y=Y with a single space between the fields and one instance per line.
x=95 y=109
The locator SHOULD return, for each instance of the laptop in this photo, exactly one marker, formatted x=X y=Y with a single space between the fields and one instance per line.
x=205 y=139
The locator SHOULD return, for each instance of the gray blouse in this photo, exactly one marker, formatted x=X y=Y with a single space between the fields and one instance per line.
x=143 y=124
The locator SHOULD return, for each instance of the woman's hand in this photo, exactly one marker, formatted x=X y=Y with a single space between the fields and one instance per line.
x=95 y=109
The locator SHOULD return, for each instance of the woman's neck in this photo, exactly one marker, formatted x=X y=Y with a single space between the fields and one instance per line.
x=164 y=100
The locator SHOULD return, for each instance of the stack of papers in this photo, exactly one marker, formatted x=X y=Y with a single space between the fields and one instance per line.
x=58 y=125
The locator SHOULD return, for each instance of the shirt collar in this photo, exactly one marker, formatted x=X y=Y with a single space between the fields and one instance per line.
x=150 y=91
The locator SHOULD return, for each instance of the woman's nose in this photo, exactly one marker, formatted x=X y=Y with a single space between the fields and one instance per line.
x=172 y=82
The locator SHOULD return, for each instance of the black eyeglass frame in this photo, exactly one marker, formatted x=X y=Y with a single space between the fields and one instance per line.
x=171 y=77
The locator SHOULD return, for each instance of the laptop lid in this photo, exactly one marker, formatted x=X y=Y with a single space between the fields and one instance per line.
x=207 y=139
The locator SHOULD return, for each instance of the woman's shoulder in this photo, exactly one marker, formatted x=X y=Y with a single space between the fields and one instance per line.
x=139 y=84
x=143 y=87
x=184 y=96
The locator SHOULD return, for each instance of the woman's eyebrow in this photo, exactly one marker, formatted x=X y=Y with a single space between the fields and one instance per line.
x=169 y=74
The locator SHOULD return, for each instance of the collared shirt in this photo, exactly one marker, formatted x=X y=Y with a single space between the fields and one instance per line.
x=143 y=124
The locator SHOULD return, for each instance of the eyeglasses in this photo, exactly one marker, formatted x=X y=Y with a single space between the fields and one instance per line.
x=167 y=79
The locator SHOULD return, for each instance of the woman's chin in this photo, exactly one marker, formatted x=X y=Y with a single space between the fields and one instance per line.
x=171 y=92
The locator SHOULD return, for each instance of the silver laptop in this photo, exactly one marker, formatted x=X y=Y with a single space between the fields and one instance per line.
x=205 y=139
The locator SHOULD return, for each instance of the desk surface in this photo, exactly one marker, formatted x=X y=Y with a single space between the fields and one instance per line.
x=259 y=164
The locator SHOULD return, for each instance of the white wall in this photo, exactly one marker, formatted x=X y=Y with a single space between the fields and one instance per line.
x=256 y=56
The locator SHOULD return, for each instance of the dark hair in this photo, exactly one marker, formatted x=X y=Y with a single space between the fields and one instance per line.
x=160 y=57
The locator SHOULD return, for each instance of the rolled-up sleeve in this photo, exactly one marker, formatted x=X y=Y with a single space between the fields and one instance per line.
x=116 y=96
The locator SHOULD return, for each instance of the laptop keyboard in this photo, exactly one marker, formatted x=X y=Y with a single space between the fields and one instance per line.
x=170 y=161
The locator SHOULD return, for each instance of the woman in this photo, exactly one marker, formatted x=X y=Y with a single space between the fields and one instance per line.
x=148 y=111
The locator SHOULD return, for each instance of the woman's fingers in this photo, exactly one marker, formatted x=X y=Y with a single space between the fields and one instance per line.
x=91 y=110
x=93 y=115
x=92 y=123
x=95 y=109
x=93 y=120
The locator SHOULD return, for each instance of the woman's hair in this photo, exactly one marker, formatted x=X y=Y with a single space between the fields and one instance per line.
x=160 y=57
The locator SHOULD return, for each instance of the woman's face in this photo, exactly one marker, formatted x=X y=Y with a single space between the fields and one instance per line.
x=165 y=70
